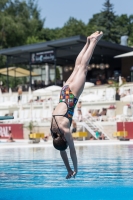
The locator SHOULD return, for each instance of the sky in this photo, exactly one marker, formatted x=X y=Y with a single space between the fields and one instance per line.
x=57 y=12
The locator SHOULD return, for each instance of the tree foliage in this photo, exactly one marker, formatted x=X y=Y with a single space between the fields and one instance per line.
x=105 y=21
x=21 y=24
x=73 y=27
x=116 y=85
x=19 y=21
x=13 y=82
x=112 y=25
x=57 y=73
x=51 y=34
x=124 y=24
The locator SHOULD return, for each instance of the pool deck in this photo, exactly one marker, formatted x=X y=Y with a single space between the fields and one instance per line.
x=25 y=143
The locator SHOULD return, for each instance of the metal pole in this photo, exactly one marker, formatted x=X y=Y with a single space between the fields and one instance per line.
x=7 y=77
x=30 y=72
x=15 y=77
x=41 y=73
x=30 y=76
x=55 y=65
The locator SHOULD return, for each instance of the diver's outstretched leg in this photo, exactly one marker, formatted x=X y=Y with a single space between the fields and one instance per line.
x=79 y=59
x=78 y=62
x=77 y=84
x=80 y=55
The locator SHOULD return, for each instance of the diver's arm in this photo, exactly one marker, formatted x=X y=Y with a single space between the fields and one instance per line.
x=71 y=173
x=65 y=160
x=73 y=155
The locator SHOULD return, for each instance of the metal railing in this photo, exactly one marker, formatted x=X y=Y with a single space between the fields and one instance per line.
x=91 y=125
x=94 y=124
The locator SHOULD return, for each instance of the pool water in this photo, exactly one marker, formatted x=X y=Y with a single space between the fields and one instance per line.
x=105 y=172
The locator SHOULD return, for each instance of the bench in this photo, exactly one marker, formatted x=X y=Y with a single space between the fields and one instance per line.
x=35 y=137
x=120 y=134
x=80 y=135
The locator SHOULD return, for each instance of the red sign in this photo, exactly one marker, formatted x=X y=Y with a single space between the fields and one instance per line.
x=16 y=129
x=128 y=127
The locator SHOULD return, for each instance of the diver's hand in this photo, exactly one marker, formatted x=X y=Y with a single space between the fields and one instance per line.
x=71 y=174
x=74 y=174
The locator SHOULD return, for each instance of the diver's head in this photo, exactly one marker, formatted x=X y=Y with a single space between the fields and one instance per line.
x=60 y=144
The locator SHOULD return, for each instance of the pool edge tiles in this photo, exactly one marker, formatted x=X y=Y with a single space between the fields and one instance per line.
x=5 y=145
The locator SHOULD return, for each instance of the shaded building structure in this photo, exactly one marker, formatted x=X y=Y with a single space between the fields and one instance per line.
x=63 y=52
x=126 y=64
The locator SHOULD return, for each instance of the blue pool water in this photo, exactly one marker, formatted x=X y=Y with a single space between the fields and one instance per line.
x=105 y=172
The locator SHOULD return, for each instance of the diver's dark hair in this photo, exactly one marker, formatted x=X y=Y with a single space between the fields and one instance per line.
x=60 y=144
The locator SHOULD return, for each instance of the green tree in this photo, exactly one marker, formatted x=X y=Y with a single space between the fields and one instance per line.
x=93 y=25
x=130 y=41
x=13 y=82
x=105 y=21
x=116 y=85
x=124 y=24
x=20 y=24
x=33 y=39
x=73 y=27
x=19 y=20
x=51 y=34
x=57 y=73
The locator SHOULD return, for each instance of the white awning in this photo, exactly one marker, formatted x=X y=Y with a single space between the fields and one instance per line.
x=124 y=55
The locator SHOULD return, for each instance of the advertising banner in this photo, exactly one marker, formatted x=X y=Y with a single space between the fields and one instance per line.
x=42 y=57
x=16 y=129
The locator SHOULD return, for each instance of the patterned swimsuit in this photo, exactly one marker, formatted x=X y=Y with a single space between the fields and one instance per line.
x=70 y=100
